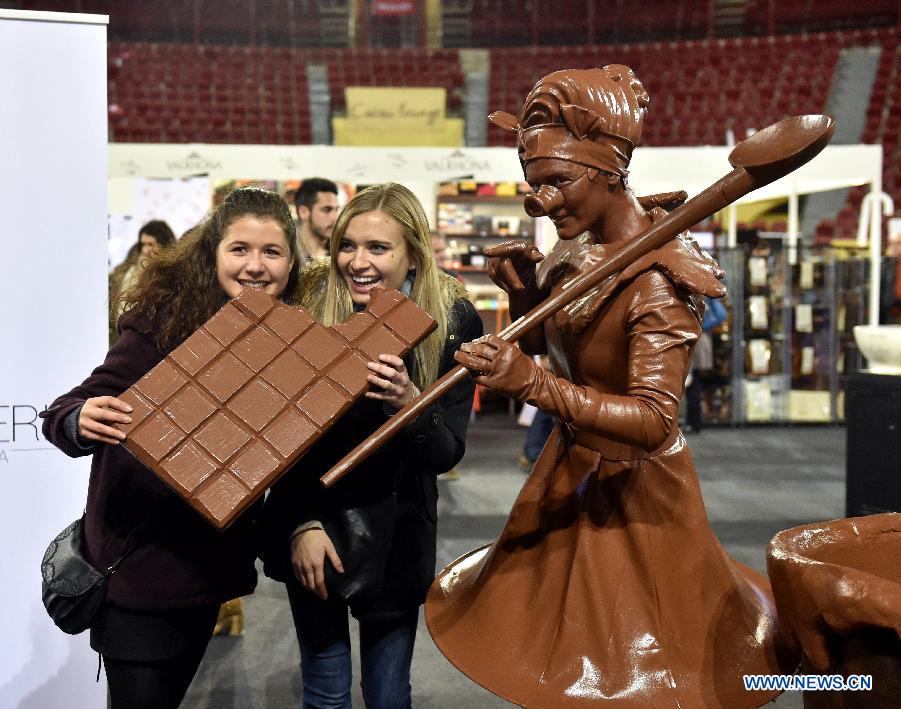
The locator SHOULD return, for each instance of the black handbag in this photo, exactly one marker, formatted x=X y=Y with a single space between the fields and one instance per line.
x=73 y=590
x=362 y=536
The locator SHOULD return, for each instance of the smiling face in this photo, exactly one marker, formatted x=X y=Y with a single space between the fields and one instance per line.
x=372 y=253
x=585 y=201
x=253 y=253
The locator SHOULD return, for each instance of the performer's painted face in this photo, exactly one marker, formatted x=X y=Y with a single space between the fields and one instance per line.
x=372 y=253
x=253 y=253
x=584 y=198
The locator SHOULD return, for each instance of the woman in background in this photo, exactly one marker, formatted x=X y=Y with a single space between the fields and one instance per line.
x=163 y=599
x=152 y=237
x=367 y=545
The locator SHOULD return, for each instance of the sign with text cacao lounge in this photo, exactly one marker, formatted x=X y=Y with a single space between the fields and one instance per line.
x=396 y=117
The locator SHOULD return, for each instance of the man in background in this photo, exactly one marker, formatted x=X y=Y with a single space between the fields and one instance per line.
x=316 y=201
x=442 y=258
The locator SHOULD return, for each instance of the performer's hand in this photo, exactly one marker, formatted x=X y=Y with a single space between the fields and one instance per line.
x=498 y=365
x=511 y=265
x=309 y=550
x=97 y=416
x=390 y=376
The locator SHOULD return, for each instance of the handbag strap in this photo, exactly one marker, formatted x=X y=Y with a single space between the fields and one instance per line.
x=132 y=540
x=111 y=569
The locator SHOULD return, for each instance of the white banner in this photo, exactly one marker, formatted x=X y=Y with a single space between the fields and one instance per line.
x=53 y=173
x=180 y=203
x=652 y=169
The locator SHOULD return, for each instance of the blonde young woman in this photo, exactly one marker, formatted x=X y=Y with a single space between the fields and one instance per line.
x=367 y=545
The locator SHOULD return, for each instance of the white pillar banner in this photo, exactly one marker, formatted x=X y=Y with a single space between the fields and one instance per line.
x=53 y=173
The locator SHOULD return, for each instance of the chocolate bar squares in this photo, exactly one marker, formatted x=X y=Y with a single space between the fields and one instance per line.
x=237 y=403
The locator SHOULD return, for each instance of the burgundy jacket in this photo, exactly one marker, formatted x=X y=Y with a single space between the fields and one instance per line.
x=178 y=560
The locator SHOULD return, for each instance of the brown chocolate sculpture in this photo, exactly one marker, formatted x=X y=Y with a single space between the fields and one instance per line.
x=607 y=585
x=228 y=411
x=838 y=589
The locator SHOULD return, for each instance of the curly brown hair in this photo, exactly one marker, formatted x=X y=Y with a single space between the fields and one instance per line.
x=179 y=290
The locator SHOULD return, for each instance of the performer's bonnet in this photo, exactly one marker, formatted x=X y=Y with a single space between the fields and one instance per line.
x=592 y=117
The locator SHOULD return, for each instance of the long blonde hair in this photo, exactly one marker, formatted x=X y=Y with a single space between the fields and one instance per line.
x=433 y=291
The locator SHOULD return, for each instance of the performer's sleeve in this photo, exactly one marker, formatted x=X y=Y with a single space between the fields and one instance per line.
x=532 y=342
x=662 y=332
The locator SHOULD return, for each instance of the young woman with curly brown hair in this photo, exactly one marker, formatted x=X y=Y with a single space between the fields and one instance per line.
x=163 y=599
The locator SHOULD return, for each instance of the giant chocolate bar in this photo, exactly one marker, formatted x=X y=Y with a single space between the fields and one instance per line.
x=237 y=403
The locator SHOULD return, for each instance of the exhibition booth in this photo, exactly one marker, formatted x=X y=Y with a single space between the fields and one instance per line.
x=797 y=303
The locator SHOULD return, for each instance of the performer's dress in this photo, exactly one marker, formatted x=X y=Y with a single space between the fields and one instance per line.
x=607 y=585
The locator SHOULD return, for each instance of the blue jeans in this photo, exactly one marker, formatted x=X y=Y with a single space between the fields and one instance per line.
x=537 y=434
x=386 y=652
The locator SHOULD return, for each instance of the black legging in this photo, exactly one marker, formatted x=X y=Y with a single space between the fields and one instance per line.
x=151 y=656
x=151 y=685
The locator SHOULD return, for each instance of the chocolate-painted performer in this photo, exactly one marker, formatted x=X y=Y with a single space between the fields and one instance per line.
x=607 y=585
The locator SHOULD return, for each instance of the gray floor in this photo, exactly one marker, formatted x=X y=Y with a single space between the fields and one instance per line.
x=756 y=481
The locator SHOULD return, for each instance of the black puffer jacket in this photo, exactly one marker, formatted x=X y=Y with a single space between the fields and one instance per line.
x=382 y=517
